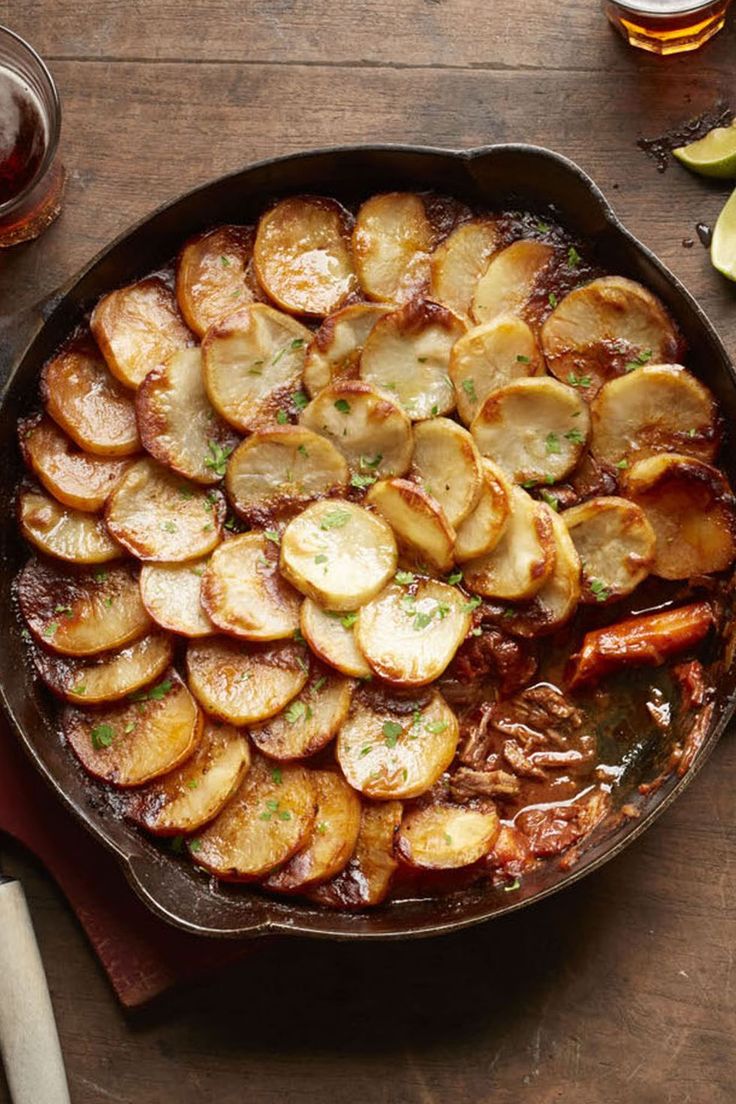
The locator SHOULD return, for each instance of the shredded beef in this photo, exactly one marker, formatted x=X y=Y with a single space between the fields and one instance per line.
x=496 y=655
x=690 y=679
x=467 y=784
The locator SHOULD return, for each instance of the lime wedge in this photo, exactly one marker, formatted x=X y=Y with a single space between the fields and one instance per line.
x=714 y=155
x=723 y=245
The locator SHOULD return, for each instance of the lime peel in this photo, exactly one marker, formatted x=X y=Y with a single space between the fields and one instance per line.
x=723 y=244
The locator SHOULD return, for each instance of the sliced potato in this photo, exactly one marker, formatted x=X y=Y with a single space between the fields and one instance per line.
x=177 y=423
x=483 y=528
x=332 y=841
x=509 y=281
x=330 y=635
x=78 y=612
x=392 y=242
x=244 y=594
x=132 y=742
x=657 y=408
x=172 y=595
x=616 y=545
x=303 y=254
x=417 y=519
x=252 y=364
x=410 y=634
x=444 y=837
x=137 y=328
x=334 y=351
x=157 y=517
x=366 y=879
x=371 y=430
x=407 y=353
x=523 y=559
x=245 y=683
x=309 y=722
x=89 y=404
x=448 y=466
x=65 y=533
x=279 y=470
x=107 y=677
x=597 y=331
x=488 y=357
x=338 y=553
x=77 y=479
x=692 y=511
x=269 y=818
x=389 y=752
x=460 y=261
x=213 y=276
x=556 y=601
x=192 y=795
x=534 y=429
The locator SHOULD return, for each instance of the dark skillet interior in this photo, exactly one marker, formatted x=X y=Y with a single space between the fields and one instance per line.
x=498 y=177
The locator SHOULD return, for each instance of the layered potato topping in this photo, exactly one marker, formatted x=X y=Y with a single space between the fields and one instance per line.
x=365 y=545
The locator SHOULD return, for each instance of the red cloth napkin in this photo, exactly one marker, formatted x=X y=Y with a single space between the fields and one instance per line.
x=142 y=955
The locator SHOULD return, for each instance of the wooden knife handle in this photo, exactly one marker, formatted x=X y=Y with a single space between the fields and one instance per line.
x=29 y=1043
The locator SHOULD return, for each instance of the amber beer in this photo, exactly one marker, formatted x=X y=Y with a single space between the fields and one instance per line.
x=667 y=26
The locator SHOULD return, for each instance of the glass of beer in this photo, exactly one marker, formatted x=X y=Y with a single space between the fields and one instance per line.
x=31 y=176
x=667 y=26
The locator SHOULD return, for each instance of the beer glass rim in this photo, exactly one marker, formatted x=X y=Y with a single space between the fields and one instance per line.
x=52 y=115
x=649 y=8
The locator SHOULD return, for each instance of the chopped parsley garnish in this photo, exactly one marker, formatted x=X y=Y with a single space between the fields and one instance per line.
x=318 y=685
x=81 y=690
x=637 y=362
x=282 y=417
x=277 y=776
x=551 y=500
x=107 y=602
x=225 y=261
x=272 y=535
x=404 y=578
x=297 y=711
x=300 y=400
x=455 y=578
x=366 y=750
x=169 y=526
x=342 y=405
x=599 y=589
x=552 y=299
x=421 y=620
x=177 y=844
x=516 y=884
x=51 y=628
x=361 y=481
x=575 y=436
x=347 y=620
x=520 y=359
x=185 y=492
x=573 y=257
x=64 y=609
x=192 y=784
x=217 y=460
x=542 y=227
x=468 y=386
x=579 y=381
x=102 y=735
x=195 y=845
x=692 y=433
x=336 y=519
x=156 y=693
x=273 y=809
x=291 y=346
x=371 y=461
x=435 y=410
x=130 y=726
x=621 y=464
x=303 y=451
x=436 y=726
x=552 y=441
x=391 y=733
x=321 y=827
x=472 y=604
x=320 y=559
x=298 y=636
x=100 y=576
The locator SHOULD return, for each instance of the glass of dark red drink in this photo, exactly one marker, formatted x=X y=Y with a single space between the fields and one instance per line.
x=31 y=175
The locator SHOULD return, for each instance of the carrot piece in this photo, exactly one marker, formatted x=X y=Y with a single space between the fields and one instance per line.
x=648 y=640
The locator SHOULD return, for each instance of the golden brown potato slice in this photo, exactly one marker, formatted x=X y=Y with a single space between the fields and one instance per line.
x=616 y=545
x=278 y=471
x=371 y=431
x=244 y=593
x=460 y=261
x=488 y=357
x=252 y=363
x=692 y=511
x=410 y=633
x=657 y=408
x=334 y=351
x=156 y=516
x=64 y=533
x=366 y=879
x=338 y=553
x=89 y=404
x=132 y=742
x=392 y=242
x=309 y=722
x=107 y=677
x=214 y=277
x=330 y=635
x=76 y=478
x=556 y=601
x=483 y=528
x=448 y=466
x=244 y=683
x=78 y=612
x=601 y=330
x=407 y=354
x=269 y=818
x=333 y=838
x=172 y=595
x=509 y=281
x=137 y=328
x=183 y=800
x=303 y=255
x=418 y=521
x=444 y=837
x=523 y=559
x=388 y=750
x=177 y=423
x=533 y=429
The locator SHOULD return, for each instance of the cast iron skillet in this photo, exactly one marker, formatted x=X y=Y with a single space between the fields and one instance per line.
x=498 y=176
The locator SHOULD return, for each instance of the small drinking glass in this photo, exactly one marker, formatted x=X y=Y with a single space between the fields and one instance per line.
x=667 y=26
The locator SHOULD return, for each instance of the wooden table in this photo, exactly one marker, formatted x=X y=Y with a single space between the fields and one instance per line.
x=621 y=989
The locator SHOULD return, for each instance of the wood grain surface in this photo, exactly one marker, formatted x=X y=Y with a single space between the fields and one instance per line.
x=622 y=989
